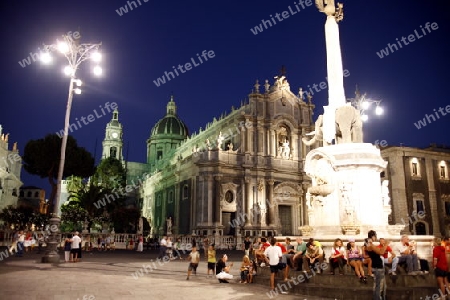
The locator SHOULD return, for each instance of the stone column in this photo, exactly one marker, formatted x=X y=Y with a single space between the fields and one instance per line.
x=243 y=139
x=218 y=210
x=249 y=138
x=248 y=201
x=433 y=209
x=209 y=200
x=177 y=208
x=272 y=147
x=272 y=222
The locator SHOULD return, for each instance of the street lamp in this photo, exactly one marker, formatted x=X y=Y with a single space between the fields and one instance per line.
x=75 y=54
x=363 y=104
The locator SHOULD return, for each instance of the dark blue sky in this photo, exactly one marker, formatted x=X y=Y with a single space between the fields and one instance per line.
x=141 y=45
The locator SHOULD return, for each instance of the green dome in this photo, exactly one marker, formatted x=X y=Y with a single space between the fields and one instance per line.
x=170 y=124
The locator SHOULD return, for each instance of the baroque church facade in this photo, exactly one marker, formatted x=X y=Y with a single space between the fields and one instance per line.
x=242 y=174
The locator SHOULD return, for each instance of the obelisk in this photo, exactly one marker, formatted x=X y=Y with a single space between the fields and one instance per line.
x=336 y=95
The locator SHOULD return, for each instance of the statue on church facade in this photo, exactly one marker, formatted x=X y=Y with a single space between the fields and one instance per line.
x=286 y=149
x=220 y=139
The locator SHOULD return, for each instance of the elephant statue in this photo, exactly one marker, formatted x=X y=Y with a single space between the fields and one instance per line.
x=348 y=127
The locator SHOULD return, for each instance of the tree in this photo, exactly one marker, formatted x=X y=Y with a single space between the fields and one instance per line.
x=108 y=179
x=42 y=156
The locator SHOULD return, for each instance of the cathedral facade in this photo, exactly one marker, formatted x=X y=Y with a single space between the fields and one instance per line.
x=242 y=174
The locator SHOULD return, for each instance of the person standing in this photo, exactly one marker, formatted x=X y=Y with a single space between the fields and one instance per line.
x=211 y=259
x=140 y=247
x=247 y=246
x=74 y=251
x=15 y=240
x=273 y=254
x=67 y=247
x=162 y=248
x=194 y=259
x=440 y=265
x=375 y=253
x=20 y=244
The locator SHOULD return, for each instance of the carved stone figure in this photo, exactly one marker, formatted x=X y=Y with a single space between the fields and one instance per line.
x=220 y=139
x=348 y=127
x=169 y=225
x=385 y=192
x=208 y=144
x=286 y=149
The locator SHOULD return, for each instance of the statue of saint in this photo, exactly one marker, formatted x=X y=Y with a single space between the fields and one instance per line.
x=220 y=139
x=286 y=149
x=169 y=225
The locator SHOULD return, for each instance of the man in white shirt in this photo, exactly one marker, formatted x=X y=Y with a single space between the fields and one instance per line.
x=162 y=247
x=406 y=253
x=273 y=254
x=76 y=241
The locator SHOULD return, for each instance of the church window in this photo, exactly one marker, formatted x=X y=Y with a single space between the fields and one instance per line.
x=159 y=154
x=113 y=152
x=158 y=200
x=443 y=174
x=420 y=206
x=170 y=197
x=420 y=228
x=14 y=192
x=185 y=191
x=414 y=169
x=447 y=208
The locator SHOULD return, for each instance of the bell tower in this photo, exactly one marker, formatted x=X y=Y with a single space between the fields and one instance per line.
x=113 y=142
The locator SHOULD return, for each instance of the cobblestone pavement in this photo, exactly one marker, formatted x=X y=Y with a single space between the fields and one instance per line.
x=120 y=275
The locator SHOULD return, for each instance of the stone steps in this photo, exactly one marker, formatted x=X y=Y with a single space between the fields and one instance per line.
x=348 y=286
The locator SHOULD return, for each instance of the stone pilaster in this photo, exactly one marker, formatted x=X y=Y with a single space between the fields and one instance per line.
x=272 y=222
x=429 y=167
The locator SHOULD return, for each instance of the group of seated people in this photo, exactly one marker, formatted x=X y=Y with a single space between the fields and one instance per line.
x=310 y=255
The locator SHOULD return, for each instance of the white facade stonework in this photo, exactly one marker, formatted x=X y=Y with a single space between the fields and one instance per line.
x=10 y=169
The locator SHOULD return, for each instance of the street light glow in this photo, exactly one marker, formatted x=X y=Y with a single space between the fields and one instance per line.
x=96 y=56
x=78 y=82
x=98 y=70
x=45 y=57
x=364 y=118
x=379 y=110
x=77 y=91
x=63 y=47
x=365 y=104
x=69 y=71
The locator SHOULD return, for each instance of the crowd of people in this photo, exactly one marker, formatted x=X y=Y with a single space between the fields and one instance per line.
x=375 y=255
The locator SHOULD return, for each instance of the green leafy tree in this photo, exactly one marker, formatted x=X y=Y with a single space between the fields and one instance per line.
x=108 y=179
x=42 y=156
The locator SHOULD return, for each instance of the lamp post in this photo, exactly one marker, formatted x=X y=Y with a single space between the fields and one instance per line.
x=75 y=54
x=362 y=104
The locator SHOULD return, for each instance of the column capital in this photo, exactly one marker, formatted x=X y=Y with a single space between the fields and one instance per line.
x=218 y=177
x=271 y=181
x=247 y=179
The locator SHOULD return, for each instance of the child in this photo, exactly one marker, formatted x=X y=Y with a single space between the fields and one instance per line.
x=194 y=258
x=211 y=259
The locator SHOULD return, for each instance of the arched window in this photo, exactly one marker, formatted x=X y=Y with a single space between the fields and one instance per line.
x=420 y=228
x=29 y=194
x=36 y=194
x=113 y=152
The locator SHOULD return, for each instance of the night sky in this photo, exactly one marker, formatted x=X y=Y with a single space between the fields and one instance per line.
x=143 y=43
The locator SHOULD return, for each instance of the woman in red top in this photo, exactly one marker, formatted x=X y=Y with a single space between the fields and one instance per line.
x=440 y=265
